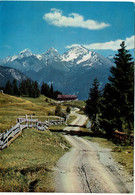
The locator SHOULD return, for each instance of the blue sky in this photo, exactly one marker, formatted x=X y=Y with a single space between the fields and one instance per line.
x=39 y=25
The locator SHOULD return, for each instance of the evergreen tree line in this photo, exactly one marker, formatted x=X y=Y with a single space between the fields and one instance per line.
x=30 y=89
x=113 y=107
x=48 y=91
x=26 y=88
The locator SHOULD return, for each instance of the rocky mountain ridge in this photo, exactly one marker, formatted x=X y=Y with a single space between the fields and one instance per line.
x=71 y=73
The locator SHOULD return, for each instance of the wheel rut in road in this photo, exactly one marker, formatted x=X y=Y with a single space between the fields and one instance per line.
x=87 y=168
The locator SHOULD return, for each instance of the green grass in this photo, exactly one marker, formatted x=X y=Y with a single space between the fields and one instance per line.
x=27 y=165
x=12 y=107
x=124 y=155
x=41 y=101
x=80 y=104
x=57 y=127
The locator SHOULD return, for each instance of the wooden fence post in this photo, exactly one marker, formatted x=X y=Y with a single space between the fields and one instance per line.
x=26 y=120
x=131 y=139
x=31 y=119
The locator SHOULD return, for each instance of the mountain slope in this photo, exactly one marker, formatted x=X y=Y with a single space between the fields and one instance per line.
x=7 y=73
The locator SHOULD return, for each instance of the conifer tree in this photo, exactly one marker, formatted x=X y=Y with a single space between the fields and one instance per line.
x=36 y=90
x=8 y=88
x=118 y=100
x=107 y=122
x=122 y=81
x=15 y=88
x=92 y=108
x=42 y=88
x=45 y=90
x=56 y=93
x=51 y=91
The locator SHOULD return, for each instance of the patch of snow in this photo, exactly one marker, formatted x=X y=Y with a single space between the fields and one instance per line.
x=13 y=58
x=24 y=63
x=15 y=75
x=2 y=75
x=90 y=64
x=38 y=56
x=85 y=58
x=70 y=57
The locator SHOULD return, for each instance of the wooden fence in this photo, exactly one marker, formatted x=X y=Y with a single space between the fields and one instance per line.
x=123 y=137
x=22 y=123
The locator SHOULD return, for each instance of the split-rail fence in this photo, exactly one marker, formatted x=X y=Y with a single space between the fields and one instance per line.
x=10 y=135
x=123 y=137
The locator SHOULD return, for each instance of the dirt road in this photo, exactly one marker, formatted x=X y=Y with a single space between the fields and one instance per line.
x=88 y=168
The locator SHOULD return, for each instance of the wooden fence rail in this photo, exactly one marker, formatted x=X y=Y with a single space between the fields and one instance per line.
x=123 y=137
x=22 y=123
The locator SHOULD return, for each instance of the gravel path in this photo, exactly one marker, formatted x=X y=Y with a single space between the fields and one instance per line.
x=88 y=168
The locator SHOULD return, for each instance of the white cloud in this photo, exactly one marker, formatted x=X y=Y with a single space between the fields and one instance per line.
x=111 y=45
x=56 y=17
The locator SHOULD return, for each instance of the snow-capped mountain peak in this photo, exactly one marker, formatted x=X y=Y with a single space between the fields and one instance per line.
x=22 y=54
x=80 y=49
x=52 y=51
x=79 y=55
x=25 y=53
x=74 y=52
x=51 y=54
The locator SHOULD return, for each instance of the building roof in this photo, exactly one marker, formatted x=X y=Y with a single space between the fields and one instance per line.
x=66 y=97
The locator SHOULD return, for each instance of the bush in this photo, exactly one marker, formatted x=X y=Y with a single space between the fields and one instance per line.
x=58 y=110
x=68 y=109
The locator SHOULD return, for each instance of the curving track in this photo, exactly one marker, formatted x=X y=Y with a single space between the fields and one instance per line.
x=87 y=168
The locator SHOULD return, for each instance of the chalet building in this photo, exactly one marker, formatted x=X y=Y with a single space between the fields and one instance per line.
x=67 y=97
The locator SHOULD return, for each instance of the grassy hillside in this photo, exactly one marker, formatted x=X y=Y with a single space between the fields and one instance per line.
x=80 y=104
x=12 y=107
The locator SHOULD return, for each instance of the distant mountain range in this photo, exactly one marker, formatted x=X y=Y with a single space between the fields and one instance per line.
x=71 y=73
